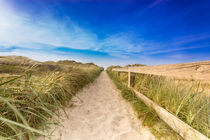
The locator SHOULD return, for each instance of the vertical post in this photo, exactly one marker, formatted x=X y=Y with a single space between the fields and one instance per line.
x=118 y=74
x=132 y=78
x=129 y=79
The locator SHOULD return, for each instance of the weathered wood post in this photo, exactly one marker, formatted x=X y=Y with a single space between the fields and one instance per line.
x=118 y=74
x=132 y=78
x=129 y=79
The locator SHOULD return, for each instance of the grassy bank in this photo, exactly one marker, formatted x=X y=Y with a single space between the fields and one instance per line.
x=148 y=115
x=189 y=100
x=29 y=99
x=185 y=99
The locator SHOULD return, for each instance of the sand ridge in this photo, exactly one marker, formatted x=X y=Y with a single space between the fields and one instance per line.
x=195 y=70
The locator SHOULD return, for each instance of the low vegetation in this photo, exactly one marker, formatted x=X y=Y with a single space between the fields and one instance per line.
x=135 y=65
x=29 y=98
x=145 y=113
x=187 y=99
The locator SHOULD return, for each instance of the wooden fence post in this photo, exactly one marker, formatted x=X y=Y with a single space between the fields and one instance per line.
x=132 y=78
x=129 y=79
x=118 y=74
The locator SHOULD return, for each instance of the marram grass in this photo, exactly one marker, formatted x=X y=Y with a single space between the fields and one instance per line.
x=189 y=100
x=27 y=101
x=150 y=119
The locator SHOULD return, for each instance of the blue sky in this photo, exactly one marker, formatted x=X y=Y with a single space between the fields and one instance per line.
x=106 y=32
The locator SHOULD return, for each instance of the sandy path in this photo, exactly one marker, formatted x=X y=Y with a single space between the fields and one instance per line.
x=103 y=115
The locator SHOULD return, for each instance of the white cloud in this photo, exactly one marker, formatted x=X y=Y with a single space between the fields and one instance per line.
x=40 y=56
x=122 y=41
x=18 y=29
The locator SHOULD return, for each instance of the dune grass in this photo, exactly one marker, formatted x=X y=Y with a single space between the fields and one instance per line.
x=27 y=101
x=189 y=100
x=11 y=69
x=150 y=119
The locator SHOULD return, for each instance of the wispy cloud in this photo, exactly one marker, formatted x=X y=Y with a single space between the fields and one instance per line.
x=155 y=3
x=18 y=29
x=174 y=50
x=122 y=40
x=190 y=39
x=178 y=44
x=150 y=6
x=45 y=38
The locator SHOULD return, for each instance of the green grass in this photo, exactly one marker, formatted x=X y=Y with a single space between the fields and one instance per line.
x=28 y=100
x=187 y=99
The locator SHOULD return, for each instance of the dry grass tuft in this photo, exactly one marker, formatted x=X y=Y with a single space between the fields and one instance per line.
x=28 y=99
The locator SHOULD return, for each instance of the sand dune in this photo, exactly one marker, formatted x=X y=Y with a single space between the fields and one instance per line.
x=195 y=70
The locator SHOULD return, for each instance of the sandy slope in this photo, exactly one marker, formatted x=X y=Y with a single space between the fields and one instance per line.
x=195 y=70
x=103 y=115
